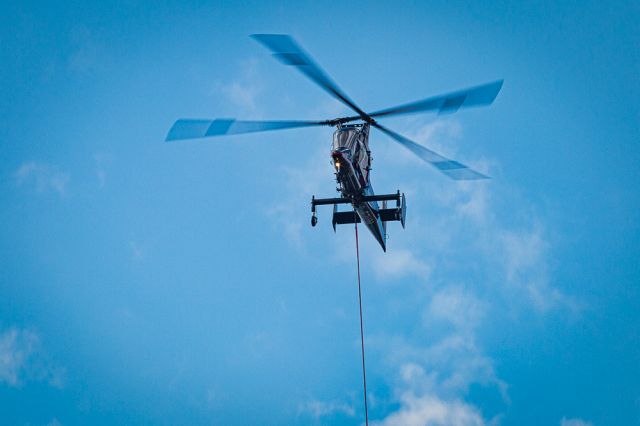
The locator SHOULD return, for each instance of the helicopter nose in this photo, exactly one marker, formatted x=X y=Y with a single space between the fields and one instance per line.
x=337 y=159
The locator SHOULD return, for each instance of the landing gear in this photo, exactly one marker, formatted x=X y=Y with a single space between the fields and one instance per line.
x=314 y=218
x=325 y=201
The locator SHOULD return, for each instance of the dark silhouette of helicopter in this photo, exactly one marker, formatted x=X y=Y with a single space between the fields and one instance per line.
x=350 y=153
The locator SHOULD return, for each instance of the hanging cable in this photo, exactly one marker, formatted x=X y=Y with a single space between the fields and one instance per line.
x=364 y=374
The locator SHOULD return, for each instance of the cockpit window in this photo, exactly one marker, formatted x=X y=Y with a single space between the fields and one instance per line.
x=344 y=138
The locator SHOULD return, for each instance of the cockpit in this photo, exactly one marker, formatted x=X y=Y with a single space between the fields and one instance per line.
x=345 y=138
x=350 y=142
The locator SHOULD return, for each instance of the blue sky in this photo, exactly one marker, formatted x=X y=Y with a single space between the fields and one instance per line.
x=151 y=283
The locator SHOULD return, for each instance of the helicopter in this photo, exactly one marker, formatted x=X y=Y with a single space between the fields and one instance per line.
x=350 y=152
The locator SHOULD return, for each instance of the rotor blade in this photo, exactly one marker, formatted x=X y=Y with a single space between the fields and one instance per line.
x=450 y=103
x=451 y=168
x=287 y=51
x=190 y=129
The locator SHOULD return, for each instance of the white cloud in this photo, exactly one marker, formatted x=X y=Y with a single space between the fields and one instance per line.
x=460 y=239
x=397 y=263
x=456 y=306
x=474 y=200
x=429 y=389
x=469 y=241
x=428 y=410
x=524 y=250
x=525 y=264
x=319 y=409
x=437 y=135
x=574 y=422
x=16 y=346
x=22 y=359
x=245 y=89
x=448 y=367
x=241 y=95
x=301 y=183
x=433 y=378
x=467 y=224
x=43 y=176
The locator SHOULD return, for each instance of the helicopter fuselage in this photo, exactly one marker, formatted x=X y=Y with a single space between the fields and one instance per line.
x=351 y=158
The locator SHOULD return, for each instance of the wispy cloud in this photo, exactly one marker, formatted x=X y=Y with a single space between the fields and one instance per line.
x=319 y=409
x=471 y=241
x=16 y=346
x=43 y=177
x=446 y=368
x=398 y=263
x=22 y=359
x=428 y=410
x=456 y=306
x=526 y=267
x=433 y=379
x=574 y=422
x=469 y=222
x=245 y=89
x=462 y=239
x=438 y=135
x=301 y=183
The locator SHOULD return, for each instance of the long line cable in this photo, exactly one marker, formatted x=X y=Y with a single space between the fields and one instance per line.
x=364 y=373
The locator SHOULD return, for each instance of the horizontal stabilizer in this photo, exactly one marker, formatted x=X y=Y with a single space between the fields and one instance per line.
x=390 y=215
x=386 y=215
x=343 y=218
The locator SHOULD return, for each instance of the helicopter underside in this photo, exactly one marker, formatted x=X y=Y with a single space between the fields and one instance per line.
x=363 y=201
x=371 y=218
x=351 y=185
